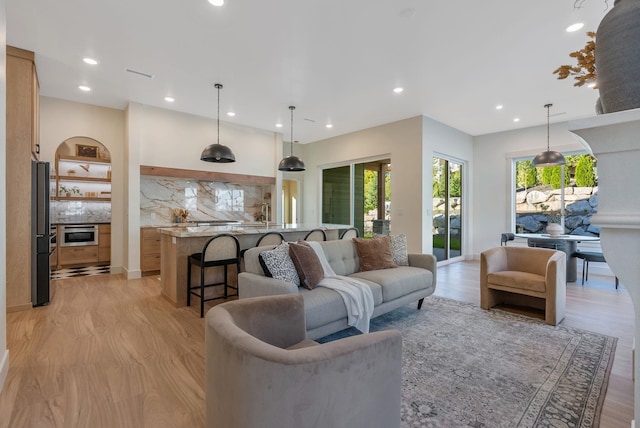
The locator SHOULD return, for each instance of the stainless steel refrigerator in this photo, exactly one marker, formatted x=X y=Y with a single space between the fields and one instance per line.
x=41 y=236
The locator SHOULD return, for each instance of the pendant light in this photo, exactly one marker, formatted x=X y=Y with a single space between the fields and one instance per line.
x=217 y=152
x=291 y=163
x=548 y=158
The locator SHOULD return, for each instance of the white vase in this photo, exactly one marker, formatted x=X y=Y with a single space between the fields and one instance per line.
x=555 y=229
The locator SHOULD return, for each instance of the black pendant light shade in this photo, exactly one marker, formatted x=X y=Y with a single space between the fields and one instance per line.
x=548 y=158
x=291 y=163
x=218 y=152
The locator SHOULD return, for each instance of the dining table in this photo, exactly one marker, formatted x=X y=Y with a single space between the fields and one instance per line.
x=566 y=243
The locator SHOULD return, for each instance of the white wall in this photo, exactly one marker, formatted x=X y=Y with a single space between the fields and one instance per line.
x=443 y=140
x=410 y=144
x=176 y=140
x=492 y=195
x=60 y=120
x=4 y=352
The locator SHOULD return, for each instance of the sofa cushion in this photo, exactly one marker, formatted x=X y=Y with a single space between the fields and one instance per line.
x=399 y=281
x=341 y=255
x=517 y=279
x=307 y=264
x=324 y=305
x=374 y=253
x=277 y=264
x=399 y=249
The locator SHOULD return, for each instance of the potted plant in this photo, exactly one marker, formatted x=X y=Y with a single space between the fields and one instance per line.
x=69 y=191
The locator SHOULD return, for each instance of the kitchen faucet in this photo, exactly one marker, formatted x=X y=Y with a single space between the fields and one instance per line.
x=265 y=213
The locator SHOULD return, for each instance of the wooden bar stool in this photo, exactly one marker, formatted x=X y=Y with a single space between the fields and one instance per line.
x=221 y=250
x=350 y=233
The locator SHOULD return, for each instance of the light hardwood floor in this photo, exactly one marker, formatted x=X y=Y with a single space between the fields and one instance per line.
x=108 y=352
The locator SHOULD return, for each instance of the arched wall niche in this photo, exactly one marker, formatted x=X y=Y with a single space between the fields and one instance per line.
x=83 y=147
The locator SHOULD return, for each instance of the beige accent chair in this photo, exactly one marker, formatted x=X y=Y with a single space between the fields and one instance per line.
x=523 y=276
x=261 y=371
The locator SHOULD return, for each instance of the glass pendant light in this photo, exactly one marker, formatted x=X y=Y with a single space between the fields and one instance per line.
x=291 y=163
x=548 y=158
x=217 y=152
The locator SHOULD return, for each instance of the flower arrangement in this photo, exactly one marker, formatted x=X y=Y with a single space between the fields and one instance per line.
x=180 y=215
x=69 y=191
x=585 y=70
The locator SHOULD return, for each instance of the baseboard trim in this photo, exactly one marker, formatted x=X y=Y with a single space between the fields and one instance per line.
x=4 y=368
x=132 y=274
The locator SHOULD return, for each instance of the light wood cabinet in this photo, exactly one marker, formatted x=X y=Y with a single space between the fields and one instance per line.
x=149 y=250
x=21 y=146
x=104 y=243
x=78 y=255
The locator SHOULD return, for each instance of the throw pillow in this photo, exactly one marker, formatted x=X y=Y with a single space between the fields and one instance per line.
x=307 y=264
x=277 y=264
x=374 y=253
x=399 y=249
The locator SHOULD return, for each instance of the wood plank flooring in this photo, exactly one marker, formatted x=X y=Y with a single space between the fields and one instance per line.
x=108 y=352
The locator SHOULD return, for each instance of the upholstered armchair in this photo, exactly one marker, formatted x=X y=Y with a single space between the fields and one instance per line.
x=523 y=276
x=261 y=371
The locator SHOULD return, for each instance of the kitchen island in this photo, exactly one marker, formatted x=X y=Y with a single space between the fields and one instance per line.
x=178 y=242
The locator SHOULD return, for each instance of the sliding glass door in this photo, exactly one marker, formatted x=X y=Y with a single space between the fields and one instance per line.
x=358 y=194
x=447 y=222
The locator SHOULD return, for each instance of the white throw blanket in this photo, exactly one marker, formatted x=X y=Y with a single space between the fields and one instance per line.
x=357 y=295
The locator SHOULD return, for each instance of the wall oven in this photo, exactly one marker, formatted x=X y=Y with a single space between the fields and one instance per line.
x=77 y=235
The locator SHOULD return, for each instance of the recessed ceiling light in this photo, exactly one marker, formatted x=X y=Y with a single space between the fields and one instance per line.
x=216 y=2
x=84 y=88
x=90 y=61
x=499 y=107
x=517 y=119
x=574 y=27
x=169 y=99
x=230 y=114
x=328 y=125
x=398 y=90
x=278 y=125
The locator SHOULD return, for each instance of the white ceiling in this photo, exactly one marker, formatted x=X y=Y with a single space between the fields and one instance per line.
x=337 y=61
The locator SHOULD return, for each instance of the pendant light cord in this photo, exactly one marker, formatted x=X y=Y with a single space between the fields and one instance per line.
x=218 y=86
x=292 y=108
x=548 y=106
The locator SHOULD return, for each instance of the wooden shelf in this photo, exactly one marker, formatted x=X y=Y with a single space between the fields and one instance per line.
x=84 y=159
x=80 y=198
x=85 y=179
x=225 y=177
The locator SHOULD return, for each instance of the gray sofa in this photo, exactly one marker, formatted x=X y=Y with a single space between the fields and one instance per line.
x=325 y=312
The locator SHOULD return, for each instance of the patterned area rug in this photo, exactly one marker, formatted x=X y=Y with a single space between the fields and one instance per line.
x=467 y=367
x=80 y=271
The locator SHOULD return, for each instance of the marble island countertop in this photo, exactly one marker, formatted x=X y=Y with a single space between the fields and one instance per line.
x=187 y=230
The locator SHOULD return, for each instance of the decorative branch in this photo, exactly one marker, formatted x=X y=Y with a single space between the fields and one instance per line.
x=585 y=70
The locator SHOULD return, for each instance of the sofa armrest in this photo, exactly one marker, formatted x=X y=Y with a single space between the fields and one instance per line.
x=556 y=272
x=254 y=285
x=425 y=261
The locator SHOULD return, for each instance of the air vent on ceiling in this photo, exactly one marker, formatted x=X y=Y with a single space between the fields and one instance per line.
x=309 y=120
x=139 y=73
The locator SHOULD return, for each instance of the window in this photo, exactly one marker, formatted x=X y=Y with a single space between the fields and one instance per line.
x=567 y=194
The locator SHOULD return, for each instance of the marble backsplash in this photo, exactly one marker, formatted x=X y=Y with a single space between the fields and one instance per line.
x=74 y=212
x=205 y=200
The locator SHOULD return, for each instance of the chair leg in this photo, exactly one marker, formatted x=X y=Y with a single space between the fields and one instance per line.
x=420 y=303
x=584 y=261
x=617 y=282
x=226 y=281
x=201 y=291
x=587 y=271
x=188 y=281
